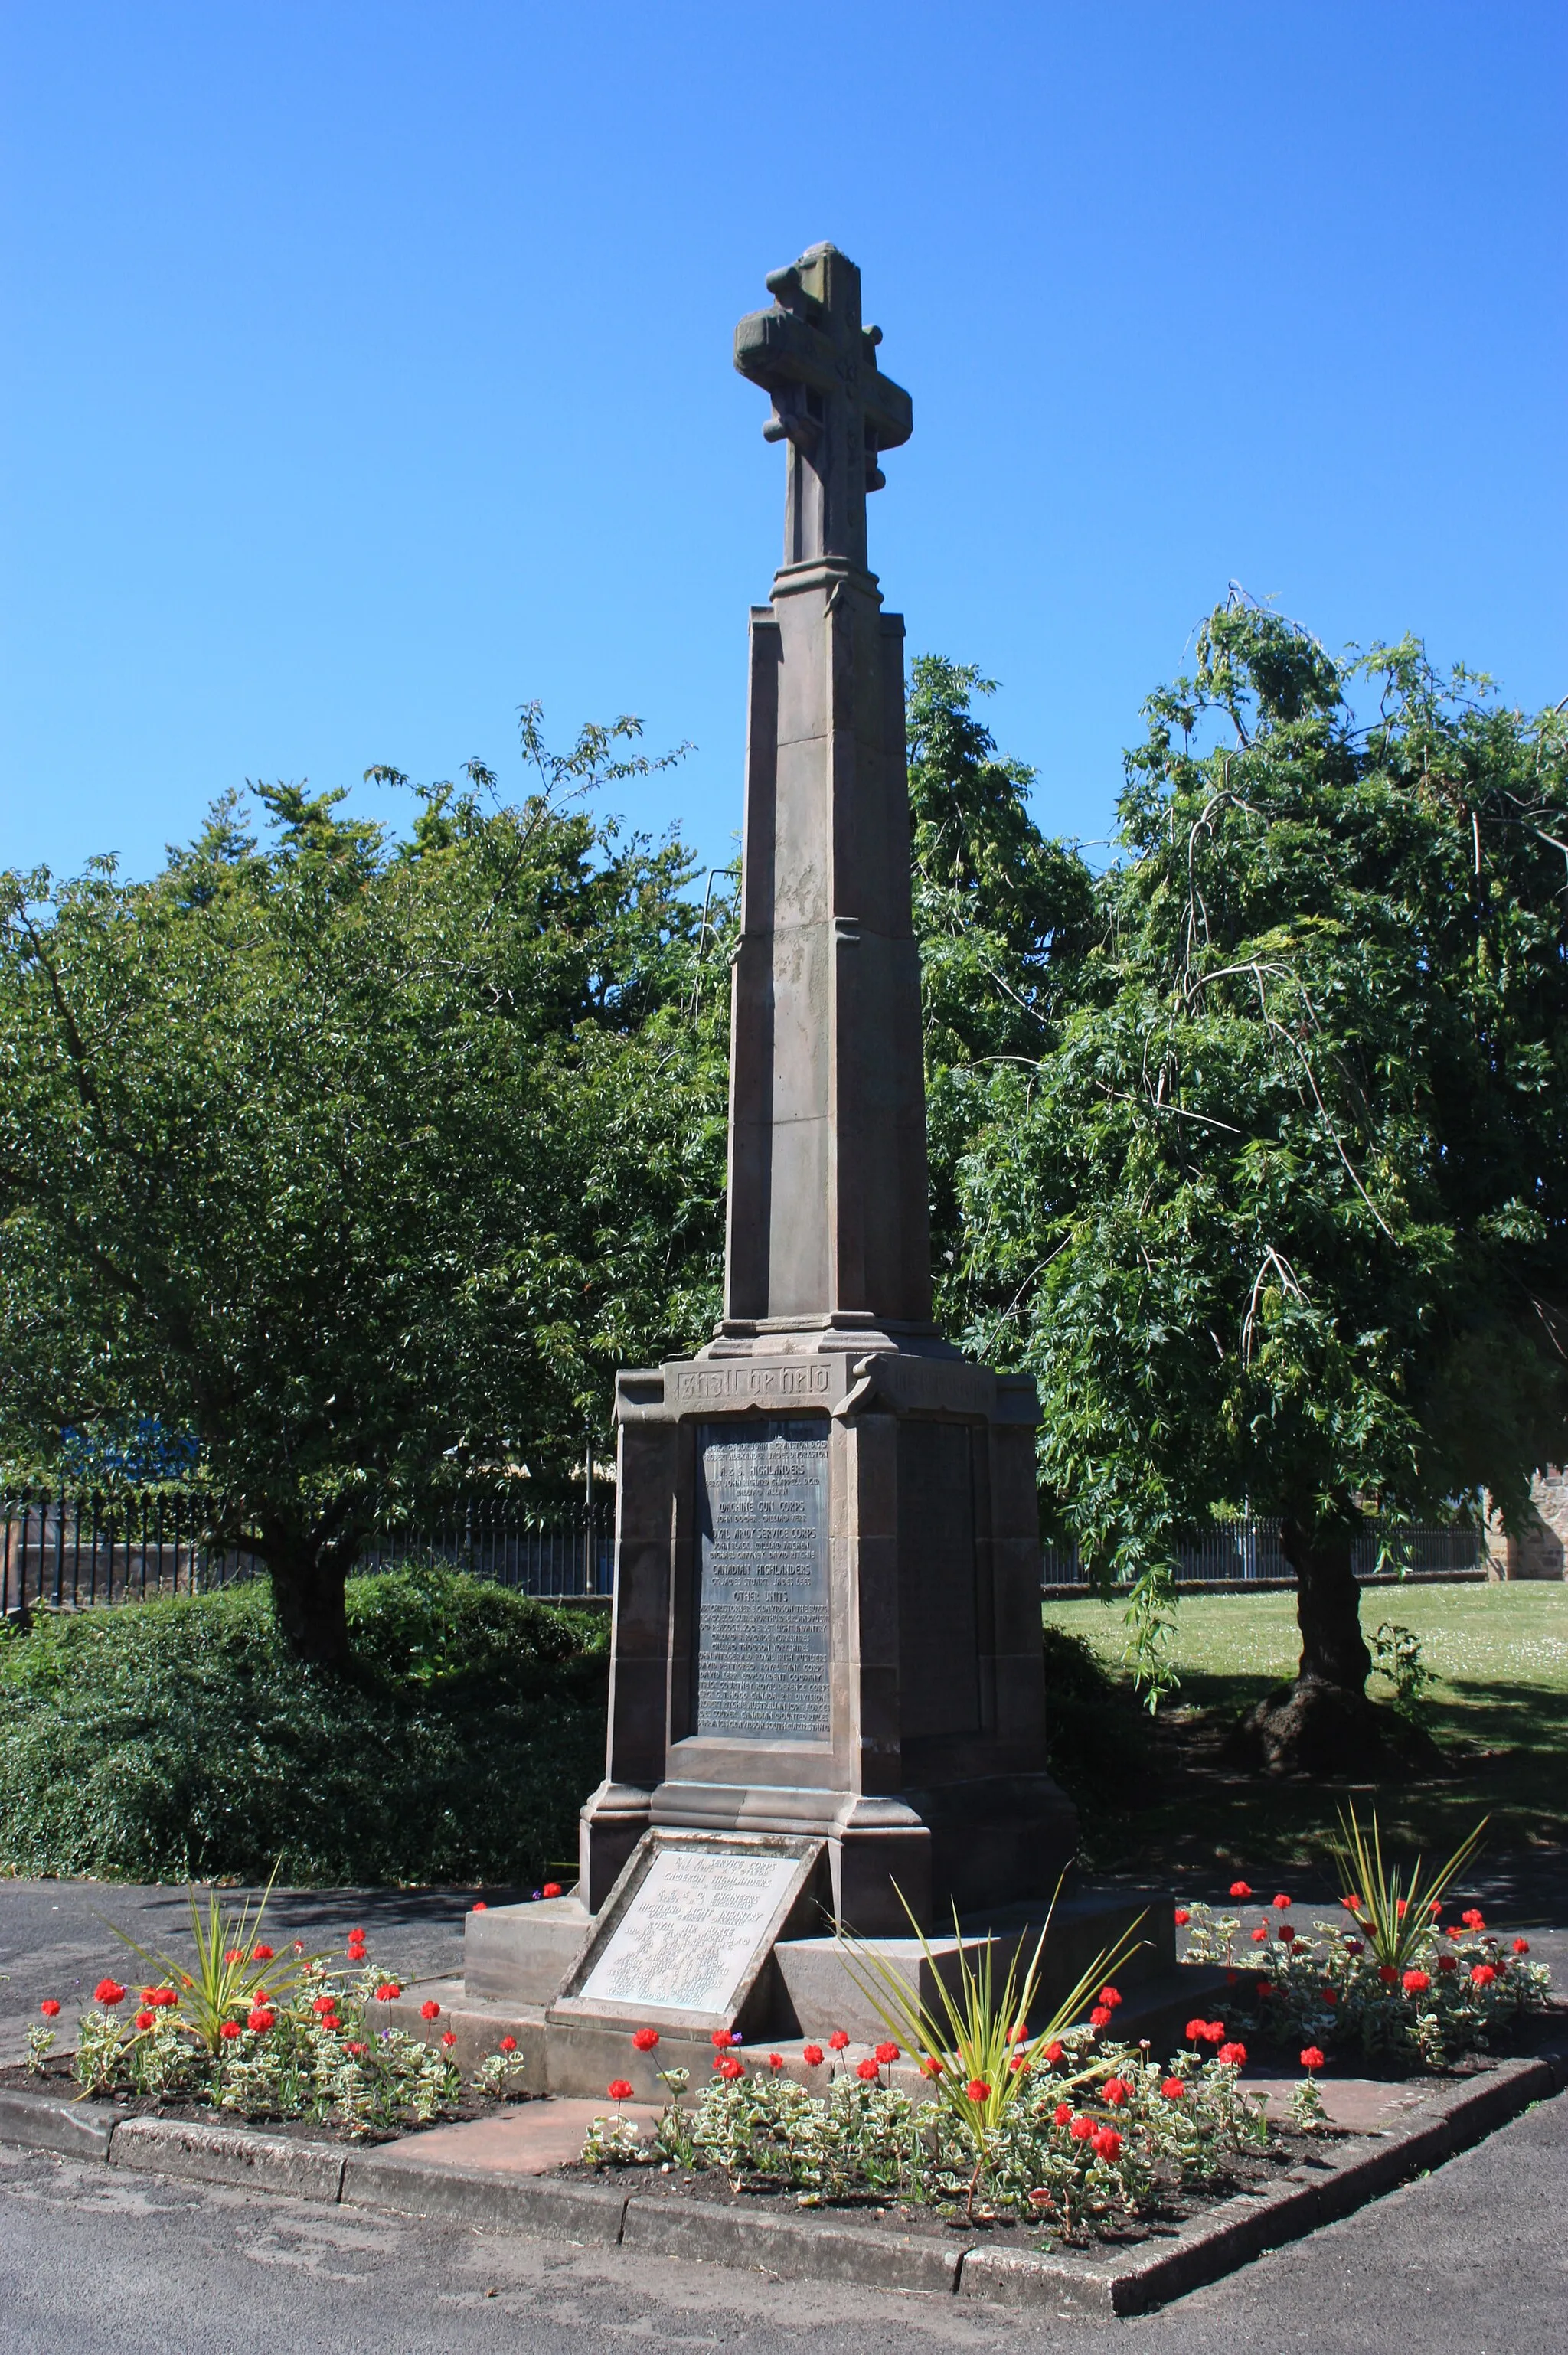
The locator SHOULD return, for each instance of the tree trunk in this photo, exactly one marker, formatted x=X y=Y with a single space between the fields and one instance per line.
x=1328 y=1607
x=1323 y=1725
x=308 y=1602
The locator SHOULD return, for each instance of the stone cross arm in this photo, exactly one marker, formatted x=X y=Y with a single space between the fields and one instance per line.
x=831 y=401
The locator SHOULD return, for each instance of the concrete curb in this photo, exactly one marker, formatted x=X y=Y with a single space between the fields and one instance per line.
x=1328 y=2183
x=214 y=2154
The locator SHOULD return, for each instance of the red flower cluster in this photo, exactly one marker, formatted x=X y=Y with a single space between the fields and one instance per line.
x=1107 y=2143
x=162 y=1998
x=1205 y=2031
x=931 y=2066
x=430 y=2008
x=479 y=1906
x=1081 y=2129
x=866 y=2071
x=447 y=2037
x=1115 y=2091
x=977 y=2089
x=109 y=1991
x=509 y=2044
x=1482 y=1975
x=1522 y=1945
x=1181 y=1917
x=1287 y=1933
x=887 y=2053
x=230 y=2029
x=838 y=2041
x=1415 y=1982
x=1387 y=1973
x=235 y=1954
x=1053 y=2051
x=1240 y=1890
x=550 y=1889
x=812 y=2056
x=326 y=2005
x=618 y=2090
x=1447 y=1962
x=388 y=1991
x=1109 y=1996
x=1233 y=2056
x=1174 y=2089
x=775 y=2060
x=730 y=2068
x=1062 y=2114
x=261 y=2019
x=1312 y=2058
x=146 y=2020
x=1101 y=2016
x=644 y=2039
x=1281 y=1905
x=1260 y=1936
x=719 y=2040
x=1474 y=1920
x=263 y=1953
x=50 y=2008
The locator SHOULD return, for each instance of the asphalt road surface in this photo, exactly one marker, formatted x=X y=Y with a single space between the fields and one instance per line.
x=96 y=2260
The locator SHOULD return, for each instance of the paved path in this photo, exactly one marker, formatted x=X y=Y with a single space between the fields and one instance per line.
x=94 y=2260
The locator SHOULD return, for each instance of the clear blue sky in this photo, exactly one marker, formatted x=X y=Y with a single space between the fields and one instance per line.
x=368 y=368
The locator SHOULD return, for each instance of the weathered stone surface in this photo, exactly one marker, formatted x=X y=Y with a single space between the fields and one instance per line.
x=523 y=1951
x=44 y=2122
x=228 y=2154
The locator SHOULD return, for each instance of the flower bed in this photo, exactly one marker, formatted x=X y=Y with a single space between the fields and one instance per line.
x=276 y=2038
x=1095 y=2137
x=1422 y=1993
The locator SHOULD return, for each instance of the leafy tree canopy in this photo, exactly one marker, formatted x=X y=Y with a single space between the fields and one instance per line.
x=361 y=1159
x=1276 y=1209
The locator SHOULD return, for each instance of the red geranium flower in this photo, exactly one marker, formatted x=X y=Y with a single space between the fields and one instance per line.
x=230 y=2029
x=261 y=1954
x=1081 y=2129
x=1240 y=1890
x=719 y=2040
x=644 y=2039
x=1522 y=1945
x=1312 y=2058
x=1062 y=2114
x=1181 y=1917
x=479 y=1906
x=977 y=2089
x=50 y=2008
x=261 y=2019
x=235 y=1954
x=1280 y=1904
x=1415 y=1982
x=1100 y=2017
x=868 y=2071
x=1233 y=2056
x=1474 y=1920
x=931 y=2066
x=839 y=2040
x=618 y=2090
x=1174 y=2089
x=1195 y=2031
x=1053 y=2051
x=1287 y=1933
x=775 y=2060
x=1401 y=1907
x=448 y=2039
x=1107 y=2143
x=1483 y=1975
x=812 y=2056
x=144 y=2019
x=550 y=1889
x=1260 y=1936
x=1110 y=1995
x=1447 y=1962
x=509 y=2044
x=887 y=2053
x=1017 y=2066
x=1352 y=1904
x=1115 y=2091
x=430 y=2008
x=1387 y=1973
x=730 y=2068
x=388 y=1991
x=328 y=2003
x=109 y=1991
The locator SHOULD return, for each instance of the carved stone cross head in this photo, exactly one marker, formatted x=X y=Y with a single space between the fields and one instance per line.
x=832 y=404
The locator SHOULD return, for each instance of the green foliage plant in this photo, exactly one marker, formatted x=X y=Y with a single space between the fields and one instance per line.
x=232 y=1966
x=1396 y=1656
x=975 y=2046
x=1393 y=1909
x=363 y=1161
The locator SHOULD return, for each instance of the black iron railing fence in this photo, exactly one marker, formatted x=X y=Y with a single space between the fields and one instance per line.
x=74 y=1550
x=1246 y=1549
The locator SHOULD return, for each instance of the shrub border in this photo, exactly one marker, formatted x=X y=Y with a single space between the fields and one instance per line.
x=1329 y=2183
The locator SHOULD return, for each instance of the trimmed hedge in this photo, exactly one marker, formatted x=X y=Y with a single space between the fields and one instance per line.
x=172 y=1741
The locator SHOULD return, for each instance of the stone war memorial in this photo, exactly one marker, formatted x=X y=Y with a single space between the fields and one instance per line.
x=826 y=1697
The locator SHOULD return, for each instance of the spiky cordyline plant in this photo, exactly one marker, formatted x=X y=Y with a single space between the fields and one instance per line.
x=1393 y=1912
x=969 y=2042
x=228 y=1977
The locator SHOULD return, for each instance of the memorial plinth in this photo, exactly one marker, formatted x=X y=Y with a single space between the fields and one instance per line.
x=827 y=1625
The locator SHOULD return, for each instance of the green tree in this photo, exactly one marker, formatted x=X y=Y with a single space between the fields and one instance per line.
x=1280 y=1212
x=365 y=1160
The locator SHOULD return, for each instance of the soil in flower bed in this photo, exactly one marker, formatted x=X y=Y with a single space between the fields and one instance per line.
x=710 y=2187
x=58 y=2078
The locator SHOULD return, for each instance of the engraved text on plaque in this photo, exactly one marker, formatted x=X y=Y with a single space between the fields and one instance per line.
x=762 y=1631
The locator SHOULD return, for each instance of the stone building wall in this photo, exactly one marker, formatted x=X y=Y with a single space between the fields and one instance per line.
x=1539 y=1549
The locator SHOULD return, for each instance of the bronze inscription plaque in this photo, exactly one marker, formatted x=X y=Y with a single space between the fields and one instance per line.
x=761 y=1614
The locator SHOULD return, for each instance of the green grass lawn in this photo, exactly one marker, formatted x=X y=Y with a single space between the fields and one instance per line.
x=1500 y=1712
